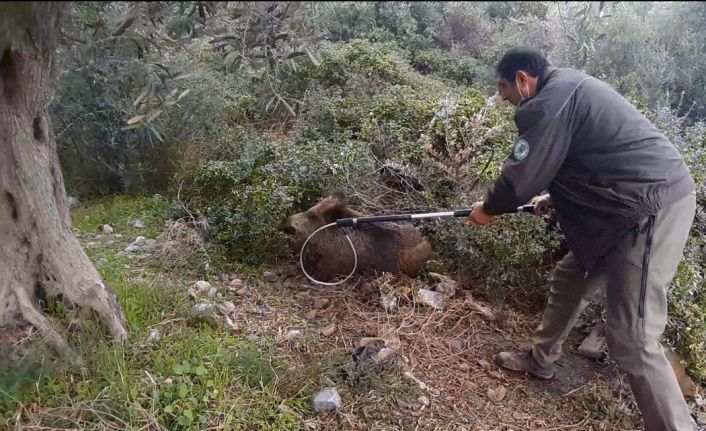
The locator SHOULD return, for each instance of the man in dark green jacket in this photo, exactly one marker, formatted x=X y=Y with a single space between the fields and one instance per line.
x=625 y=201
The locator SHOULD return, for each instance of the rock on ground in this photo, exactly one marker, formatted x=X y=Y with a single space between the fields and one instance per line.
x=431 y=299
x=131 y=248
x=688 y=388
x=327 y=400
x=592 y=346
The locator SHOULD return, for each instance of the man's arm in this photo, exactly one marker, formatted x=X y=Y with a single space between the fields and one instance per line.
x=537 y=156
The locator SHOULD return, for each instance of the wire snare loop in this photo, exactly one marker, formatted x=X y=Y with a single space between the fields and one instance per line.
x=347 y=231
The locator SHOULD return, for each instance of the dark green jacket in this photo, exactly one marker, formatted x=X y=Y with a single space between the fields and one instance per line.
x=604 y=164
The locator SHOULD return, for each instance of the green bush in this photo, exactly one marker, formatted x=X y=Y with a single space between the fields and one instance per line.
x=372 y=60
x=512 y=256
x=253 y=182
x=461 y=68
x=688 y=309
x=242 y=199
x=687 y=298
x=93 y=103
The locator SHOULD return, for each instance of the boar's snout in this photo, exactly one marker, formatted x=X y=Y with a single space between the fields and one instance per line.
x=286 y=227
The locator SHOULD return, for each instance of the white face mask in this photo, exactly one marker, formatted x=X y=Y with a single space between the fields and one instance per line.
x=520 y=91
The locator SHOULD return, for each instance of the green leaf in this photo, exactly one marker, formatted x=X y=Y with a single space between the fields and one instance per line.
x=156 y=133
x=267 y=107
x=200 y=370
x=184 y=421
x=132 y=126
x=179 y=369
x=183 y=390
x=582 y=12
x=142 y=96
x=164 y=68
x=230 y=59
x=295 y=54
x=135 y=119
x=313 y=59
x=289 y=108
x=169 y=408
x=183 y=93
x=182 y=76
x=186 y=418
x=154 y=114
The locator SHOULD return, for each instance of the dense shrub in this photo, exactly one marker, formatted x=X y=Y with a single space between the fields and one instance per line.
x=687 y=297
x=512 y=256
x=455 y=66
x=251 y=182
x=88 y=112
x=242 y=199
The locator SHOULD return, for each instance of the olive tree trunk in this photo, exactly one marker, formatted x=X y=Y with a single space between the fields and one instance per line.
x=39 y=254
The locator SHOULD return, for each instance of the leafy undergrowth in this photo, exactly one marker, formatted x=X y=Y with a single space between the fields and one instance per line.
x=282 y=340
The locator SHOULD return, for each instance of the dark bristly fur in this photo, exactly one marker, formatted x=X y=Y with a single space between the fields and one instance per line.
x=381 y=247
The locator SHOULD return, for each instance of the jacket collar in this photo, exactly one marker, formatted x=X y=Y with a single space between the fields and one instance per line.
x=548 y=73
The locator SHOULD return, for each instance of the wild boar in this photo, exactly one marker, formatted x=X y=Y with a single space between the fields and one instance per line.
x=381 y=247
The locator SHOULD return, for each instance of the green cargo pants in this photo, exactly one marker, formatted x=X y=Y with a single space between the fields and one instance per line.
x=635 y=275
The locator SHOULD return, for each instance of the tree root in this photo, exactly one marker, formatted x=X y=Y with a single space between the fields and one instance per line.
x=32 y=315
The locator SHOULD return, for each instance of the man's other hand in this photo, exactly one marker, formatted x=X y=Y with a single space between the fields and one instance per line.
x=542 y=204
x=478 y=216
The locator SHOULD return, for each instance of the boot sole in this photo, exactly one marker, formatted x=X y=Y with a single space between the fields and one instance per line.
x=530 y=372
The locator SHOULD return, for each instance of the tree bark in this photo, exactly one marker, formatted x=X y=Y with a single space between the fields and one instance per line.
x=39 y=254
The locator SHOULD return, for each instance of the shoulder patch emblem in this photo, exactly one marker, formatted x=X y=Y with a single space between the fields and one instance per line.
x=521 y=149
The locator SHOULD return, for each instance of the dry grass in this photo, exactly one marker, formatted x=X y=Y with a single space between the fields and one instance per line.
x=432 y=386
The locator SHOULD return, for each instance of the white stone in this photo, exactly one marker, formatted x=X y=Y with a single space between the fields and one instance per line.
x=327 y=400
x=155 y=335
x=431 y=299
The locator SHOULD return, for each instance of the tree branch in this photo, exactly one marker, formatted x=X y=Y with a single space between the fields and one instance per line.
x=74 y=38
x=124 y=26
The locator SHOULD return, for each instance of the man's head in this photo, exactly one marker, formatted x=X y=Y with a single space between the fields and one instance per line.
x=518 y=72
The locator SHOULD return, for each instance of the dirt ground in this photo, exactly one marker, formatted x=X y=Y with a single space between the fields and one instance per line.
x=443 y=376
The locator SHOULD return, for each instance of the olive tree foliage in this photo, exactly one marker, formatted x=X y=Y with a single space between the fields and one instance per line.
x=127 y=101
x=267 y=38
x=650 y=51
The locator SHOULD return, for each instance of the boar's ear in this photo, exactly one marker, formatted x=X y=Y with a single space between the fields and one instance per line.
x=339 y=196
x=336 y=212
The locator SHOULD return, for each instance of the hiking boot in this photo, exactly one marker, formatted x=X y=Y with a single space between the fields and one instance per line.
x=523 y=361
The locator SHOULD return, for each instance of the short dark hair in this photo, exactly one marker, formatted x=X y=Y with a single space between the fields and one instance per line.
x=521 y=58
